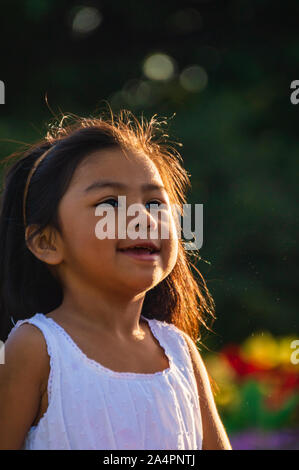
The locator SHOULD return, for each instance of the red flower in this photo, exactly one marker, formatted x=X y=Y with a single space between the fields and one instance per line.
x=231 y=353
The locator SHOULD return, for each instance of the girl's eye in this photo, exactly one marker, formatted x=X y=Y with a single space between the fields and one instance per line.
x=154 y=202
x=112 y=201
x=107 y=201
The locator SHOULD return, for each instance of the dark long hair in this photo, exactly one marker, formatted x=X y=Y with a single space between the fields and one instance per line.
x=26 y=283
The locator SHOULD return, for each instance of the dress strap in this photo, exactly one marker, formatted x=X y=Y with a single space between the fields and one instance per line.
x=176 y=346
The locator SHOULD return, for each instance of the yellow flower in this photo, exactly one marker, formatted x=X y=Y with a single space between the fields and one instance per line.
x=219 y=368
x=228 y=395
x=261 y=349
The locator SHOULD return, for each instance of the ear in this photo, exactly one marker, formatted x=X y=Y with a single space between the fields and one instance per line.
x=46 y=246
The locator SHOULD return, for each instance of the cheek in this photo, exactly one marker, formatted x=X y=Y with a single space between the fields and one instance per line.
x=173 y=249
x=83 y=245
x=170 y=249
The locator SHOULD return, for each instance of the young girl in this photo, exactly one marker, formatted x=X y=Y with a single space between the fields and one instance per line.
x=103 y=353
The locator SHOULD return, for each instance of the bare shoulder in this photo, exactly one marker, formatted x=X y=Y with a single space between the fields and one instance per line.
x=26 y=349
x=26 y=339
x=197 y=361
x=200 y=371
x=22 y=379
x=214 y=435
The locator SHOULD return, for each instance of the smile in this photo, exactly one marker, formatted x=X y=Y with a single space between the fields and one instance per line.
x=141 y=254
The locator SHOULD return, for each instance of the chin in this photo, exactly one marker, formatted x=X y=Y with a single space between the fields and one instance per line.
x=142 y=283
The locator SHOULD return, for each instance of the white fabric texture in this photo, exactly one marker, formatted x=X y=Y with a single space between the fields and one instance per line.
x=94 y=408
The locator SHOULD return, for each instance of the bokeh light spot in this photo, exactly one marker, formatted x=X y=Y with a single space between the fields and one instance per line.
x=194 y=78
x=159 y=67
x=137 y=92
x=86 y=20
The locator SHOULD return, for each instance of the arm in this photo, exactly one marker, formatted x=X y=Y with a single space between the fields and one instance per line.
x=214 y=435
x=21 y=378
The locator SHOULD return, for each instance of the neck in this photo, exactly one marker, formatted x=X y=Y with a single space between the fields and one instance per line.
x=114 y=314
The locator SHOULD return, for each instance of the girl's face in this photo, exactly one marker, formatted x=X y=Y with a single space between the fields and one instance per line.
x=98 y=262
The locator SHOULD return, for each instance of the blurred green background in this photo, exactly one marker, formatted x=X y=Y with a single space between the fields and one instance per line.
x=225 y=69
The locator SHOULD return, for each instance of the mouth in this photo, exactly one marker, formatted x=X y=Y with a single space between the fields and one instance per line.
x=141 y=253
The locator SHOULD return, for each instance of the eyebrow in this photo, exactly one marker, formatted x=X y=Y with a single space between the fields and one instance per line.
x=114 y=184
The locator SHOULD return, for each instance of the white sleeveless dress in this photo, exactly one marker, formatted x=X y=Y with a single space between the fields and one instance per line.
x=94 y=408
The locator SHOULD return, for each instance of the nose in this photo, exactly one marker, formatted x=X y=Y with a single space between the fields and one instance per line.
x=145 y=221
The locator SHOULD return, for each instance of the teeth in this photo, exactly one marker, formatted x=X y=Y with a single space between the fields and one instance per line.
x=151 y=250
x=144 y=247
